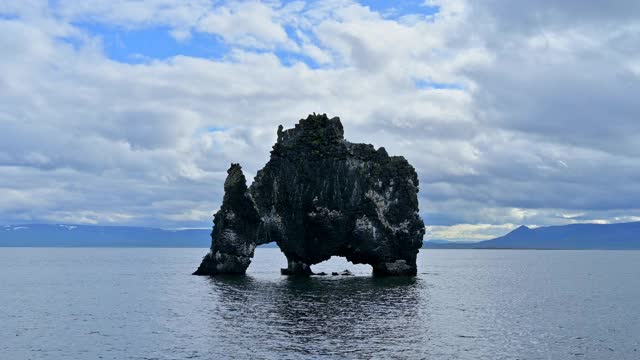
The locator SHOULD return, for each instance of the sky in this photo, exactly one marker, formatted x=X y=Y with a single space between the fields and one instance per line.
x=129 y=112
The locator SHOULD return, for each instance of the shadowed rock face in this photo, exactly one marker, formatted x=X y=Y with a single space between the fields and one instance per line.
x=320 y=196
x=234 y=230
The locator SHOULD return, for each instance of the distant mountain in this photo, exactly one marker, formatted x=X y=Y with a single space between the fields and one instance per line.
x=45 y=235
x=625 y=236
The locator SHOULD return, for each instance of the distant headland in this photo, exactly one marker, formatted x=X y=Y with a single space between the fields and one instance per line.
x=622 y=236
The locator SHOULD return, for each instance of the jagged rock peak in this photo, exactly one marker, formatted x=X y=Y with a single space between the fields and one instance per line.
x=235 y=185
x=315 y=130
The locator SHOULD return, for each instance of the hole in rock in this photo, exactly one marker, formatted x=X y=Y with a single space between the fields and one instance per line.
x=339 y=264
x=267 y=259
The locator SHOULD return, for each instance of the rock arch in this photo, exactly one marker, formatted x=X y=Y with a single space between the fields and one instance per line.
x=319 y=196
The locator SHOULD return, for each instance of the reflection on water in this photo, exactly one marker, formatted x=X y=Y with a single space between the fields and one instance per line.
x=321 y=316
x=144 y=304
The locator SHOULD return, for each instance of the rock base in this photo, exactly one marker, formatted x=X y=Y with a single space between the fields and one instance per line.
x=221 y=263
x=296 y=268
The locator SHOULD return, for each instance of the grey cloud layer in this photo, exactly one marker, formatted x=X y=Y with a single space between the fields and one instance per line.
x=542 y=121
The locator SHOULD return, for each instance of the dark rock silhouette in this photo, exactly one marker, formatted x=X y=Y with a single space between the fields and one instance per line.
x=320 y=196
x=234 y=231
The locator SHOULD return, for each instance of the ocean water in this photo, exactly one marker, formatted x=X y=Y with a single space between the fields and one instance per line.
x=465 y=304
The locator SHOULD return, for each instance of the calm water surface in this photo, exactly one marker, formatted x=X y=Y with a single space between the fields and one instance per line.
x=465 y=304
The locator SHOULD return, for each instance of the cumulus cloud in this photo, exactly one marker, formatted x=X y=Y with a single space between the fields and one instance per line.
x=512 y=114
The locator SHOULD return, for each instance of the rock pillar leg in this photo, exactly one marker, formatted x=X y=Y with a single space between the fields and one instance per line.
x=233 y=238
x=216 y=262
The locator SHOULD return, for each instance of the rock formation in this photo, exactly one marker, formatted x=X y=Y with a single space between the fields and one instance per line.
x=320 y=196
x=234 y=229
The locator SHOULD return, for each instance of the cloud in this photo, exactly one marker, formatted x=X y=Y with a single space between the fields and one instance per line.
x=511 y=115
x=467 y=232
x=249 y=24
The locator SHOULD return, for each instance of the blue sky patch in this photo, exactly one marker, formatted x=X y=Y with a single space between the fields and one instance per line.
x=141 y=45
x=427 y=84
x=398 y=8
x=8 y=16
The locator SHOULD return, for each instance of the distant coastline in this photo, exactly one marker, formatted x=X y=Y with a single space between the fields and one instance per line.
x=63 y=235
x=622 y=236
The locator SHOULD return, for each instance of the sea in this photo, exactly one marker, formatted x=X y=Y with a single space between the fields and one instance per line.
x=143 y=303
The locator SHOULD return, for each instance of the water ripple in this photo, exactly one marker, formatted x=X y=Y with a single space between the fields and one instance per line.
x=143 y=304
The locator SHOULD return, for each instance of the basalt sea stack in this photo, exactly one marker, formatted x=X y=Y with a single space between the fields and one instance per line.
x=320 y=196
